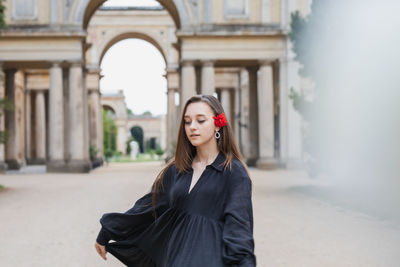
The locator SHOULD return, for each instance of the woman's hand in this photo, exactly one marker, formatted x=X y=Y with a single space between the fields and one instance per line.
x=101 y=250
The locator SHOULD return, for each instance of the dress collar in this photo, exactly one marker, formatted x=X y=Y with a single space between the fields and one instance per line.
x=218 y=163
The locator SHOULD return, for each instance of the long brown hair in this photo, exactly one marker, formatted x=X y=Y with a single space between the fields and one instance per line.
x=185 y=151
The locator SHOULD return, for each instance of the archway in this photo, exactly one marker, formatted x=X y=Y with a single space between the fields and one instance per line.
x=131 y=35
x=109 y=27
x=143 y=84
x=138 y=135
x=87 y=8
x=108 y=108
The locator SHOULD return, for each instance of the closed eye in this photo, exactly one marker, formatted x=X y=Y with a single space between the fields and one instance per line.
x=189 y=122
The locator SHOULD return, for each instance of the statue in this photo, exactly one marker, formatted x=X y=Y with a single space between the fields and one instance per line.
x=134 y=149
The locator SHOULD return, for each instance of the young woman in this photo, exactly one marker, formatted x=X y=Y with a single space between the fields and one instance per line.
x=199 y=211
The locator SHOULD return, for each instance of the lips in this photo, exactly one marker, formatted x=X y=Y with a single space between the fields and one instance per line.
x=194 y=135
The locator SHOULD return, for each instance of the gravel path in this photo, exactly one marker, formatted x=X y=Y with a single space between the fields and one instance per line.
x=53 y=220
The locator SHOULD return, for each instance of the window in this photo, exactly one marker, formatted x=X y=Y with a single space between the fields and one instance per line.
x=236 y=9
x=24 y=9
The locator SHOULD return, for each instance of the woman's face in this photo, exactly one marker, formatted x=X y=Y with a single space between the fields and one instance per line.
x=199 y=123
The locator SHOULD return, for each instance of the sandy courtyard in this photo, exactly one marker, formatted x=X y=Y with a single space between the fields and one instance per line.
x=53 y=220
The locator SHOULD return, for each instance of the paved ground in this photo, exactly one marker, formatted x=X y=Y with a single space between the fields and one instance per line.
x=53 y=220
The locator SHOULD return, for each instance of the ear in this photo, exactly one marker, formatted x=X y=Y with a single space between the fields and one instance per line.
x=217 y=129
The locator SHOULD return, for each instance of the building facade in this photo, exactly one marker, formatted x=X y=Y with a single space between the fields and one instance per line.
x=239 y=49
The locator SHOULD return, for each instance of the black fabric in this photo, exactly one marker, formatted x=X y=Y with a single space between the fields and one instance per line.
x=210 y=226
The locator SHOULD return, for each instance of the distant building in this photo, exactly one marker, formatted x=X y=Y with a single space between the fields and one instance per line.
x=153 y=127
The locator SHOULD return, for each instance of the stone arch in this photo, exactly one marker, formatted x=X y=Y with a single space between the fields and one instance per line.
x=86 y=8
x=137 y=132
x=109 y=107
x=122 y=36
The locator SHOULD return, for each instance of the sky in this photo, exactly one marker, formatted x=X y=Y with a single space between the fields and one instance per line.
x=131 y=3
x=136 y=67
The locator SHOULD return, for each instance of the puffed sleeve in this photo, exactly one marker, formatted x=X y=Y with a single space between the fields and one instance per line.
x=237 y=233
x=117 y=226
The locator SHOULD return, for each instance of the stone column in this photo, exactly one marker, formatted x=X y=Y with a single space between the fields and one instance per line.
x=40 y=127
x=94 y=112
x=283 y=110
x=243 y=120
x=252 y=123
x=121 y=135
x=85 y=101
x=100 y=127
x=28 y=125
x=172 y=114
x=3 y=165
x=266 y=117
x=171 y=122
x=188 y=78
x=95 y=126
x=207 y=78
x=78 y=151
x=12 y=125
x=236 y=112
x=56 y=161
x=226 y=103
x=65 y=84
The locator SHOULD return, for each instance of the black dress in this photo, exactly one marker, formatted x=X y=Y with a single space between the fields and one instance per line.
x=212 y=226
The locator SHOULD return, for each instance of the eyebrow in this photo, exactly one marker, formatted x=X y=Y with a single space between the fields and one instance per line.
x=197 y=115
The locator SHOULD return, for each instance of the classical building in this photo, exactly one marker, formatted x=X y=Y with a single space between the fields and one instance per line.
x=152 y=127
x=50 y=57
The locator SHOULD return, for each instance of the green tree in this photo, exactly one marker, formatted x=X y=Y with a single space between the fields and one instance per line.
x=137 y=134
x=310 y=36
x=159 y=150
x=5 y=105
x=93 y=152
x=2 y=15
x=109 y=134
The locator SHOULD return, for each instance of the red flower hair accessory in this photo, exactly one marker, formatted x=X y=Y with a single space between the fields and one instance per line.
x=220 y=120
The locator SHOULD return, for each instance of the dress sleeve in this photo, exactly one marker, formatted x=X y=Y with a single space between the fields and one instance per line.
x=117 y=226
x=237 y=233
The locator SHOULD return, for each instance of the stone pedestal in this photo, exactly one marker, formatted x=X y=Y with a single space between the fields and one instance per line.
x=207 y=78
x=78 y=161
x=266 y=118
x=56 y=161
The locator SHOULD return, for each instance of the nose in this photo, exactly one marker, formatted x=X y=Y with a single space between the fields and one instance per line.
x=193 y=125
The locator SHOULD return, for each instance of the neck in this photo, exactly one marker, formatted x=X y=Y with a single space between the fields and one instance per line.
x=207 y=153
